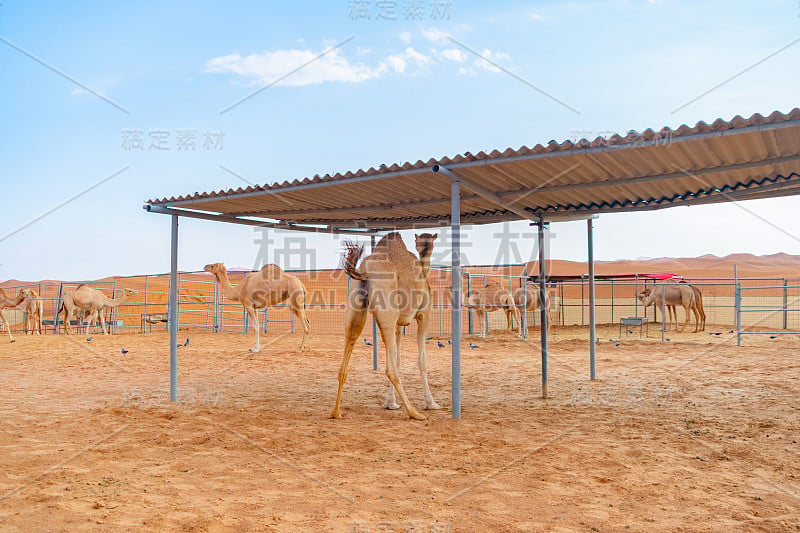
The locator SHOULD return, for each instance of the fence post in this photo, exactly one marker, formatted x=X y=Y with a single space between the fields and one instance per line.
x=737 y=305
x=612 y=300
x=523 y=319
x=785 y=306
x=662 y=312
x=469 y=311
x=583 y=303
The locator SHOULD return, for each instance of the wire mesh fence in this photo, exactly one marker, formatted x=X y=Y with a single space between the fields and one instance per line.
x=765 y=303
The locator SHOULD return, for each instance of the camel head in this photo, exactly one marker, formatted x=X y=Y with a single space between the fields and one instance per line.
x=129 y=292
x=642 y=296
x=216 y=268
x=424 y=244
x=28 y=293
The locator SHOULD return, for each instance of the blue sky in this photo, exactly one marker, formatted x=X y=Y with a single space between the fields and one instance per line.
x=396 y=90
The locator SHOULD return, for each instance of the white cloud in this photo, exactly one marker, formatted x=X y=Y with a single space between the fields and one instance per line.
x=496 y=57
x=539 y=17
x=405 y=37
x=332 y=67
x=454 y=54
x=434 y=35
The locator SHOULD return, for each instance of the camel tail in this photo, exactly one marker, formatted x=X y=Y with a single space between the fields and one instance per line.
x=352 y=254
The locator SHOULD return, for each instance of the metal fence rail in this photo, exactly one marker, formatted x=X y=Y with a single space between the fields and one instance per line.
x=750 y=304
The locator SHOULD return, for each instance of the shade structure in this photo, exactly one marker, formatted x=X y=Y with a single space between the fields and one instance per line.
x=739 y=159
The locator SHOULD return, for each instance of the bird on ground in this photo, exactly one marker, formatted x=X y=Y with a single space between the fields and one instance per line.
x=367 y=342
x=440 y=344
x=616 y=343
x=89 y=339
x=124 y=351
x=187 y=342
x=773 y=336
x=668 y=339
x=473 y=346
x=449 y=341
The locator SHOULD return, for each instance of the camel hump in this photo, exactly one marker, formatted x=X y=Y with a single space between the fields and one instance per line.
x=271 y=272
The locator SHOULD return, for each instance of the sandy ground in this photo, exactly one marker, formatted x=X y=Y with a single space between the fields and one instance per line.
x=695 y=434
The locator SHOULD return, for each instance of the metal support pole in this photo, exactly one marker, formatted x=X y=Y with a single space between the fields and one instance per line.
x=542 y=306
x=592 y=324
x=374 y=323
x=173 y=312
x=455 y=229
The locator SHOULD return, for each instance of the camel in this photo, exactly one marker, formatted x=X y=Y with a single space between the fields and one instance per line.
x=531 y=301
x=697 y=308
x=258 y=290
x=34 y=313
x=671 y=294
x=93 y=302
x=393 y=286
x=7 y=302
x=492 y=297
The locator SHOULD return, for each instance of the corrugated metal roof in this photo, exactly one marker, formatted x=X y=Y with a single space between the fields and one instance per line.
x=742 y=158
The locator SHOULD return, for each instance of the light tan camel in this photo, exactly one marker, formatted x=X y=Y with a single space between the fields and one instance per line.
x=672 y=295
x=34 y=313
x=492 y=297
x=531 y=302
x=7 y=302
x=92 y=302
x=392 y=285
x=697 y=308
x=258 y=290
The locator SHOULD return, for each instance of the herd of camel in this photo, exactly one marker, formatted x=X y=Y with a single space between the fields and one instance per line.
x=391 y=283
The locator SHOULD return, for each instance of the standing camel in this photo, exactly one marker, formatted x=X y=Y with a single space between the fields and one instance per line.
x=697 y=308
x=7 y=302
x=393 y=286
x=34 y=312
x=671 y=294
x=92 y=302
x=258 y=290
x=531 y=301
x=492 y=297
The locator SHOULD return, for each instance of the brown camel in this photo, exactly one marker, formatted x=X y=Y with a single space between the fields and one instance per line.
x=34 y=312
x=258 y=290
x=671 y=294
x=492 y=297
x=7 y=302
x=392 y=285
x=92 y=302
x=531 y=301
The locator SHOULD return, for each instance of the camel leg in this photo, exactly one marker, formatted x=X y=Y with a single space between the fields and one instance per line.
x=4 y=319
x=422 y=331
x=388 y=332
x=696 y=318
x=254 y=319
x=39 y=321
x=354 y=324
x=686 y=308
x=479 y=316
x=303 y=319
x=67 y=318
x=391 y=402
x=100 y=314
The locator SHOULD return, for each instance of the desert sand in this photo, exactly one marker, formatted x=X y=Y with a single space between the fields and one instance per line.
x=691 y=435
